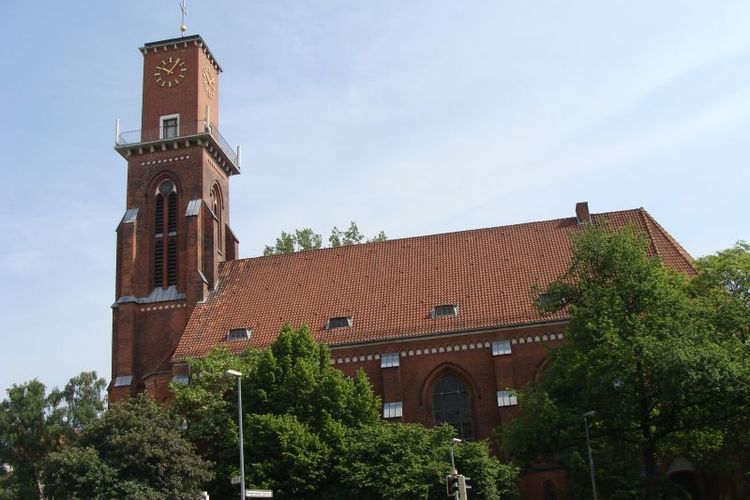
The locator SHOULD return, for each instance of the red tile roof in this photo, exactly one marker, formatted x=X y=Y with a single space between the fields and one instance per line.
x=389 y=288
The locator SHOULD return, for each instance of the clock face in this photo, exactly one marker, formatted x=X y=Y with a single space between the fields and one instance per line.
x=209 y=82
x=170 y=72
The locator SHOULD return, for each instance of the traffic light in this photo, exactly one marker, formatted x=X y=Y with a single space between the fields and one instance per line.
x=464 y=485
x=451 y=485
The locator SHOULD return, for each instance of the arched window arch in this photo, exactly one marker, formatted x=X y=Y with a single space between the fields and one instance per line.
x=165 y=234
x=217 y=206
x=550 y=490
x=451 y=403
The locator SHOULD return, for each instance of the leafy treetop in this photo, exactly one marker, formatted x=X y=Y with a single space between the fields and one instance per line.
x=307 y=239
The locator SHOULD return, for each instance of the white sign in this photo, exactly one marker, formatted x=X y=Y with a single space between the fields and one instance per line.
x=258 y=494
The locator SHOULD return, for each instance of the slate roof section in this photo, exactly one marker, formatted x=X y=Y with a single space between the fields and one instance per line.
x=390 y=287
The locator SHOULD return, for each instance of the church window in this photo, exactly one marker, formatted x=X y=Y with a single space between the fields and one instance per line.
x=501 y=347
x=216 y=208
x=550 y=492
x=239 y=334
x=181 y=379
x=393 y=410
x=165 y=235
x=451 y=403
x=389 y=360
x=444 y=311
x=170 y=126
x=506 y=398
x=158 y=262
x=339 y=322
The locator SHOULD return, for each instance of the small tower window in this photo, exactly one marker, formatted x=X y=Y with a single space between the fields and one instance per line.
x=123 y=380
x=170 y=126
x=445 y=311
x=340 y=322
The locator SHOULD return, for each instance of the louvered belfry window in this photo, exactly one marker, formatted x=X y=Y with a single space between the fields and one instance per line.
x=165 y=235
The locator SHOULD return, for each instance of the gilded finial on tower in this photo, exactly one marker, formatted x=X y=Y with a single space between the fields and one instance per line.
x=183 y=9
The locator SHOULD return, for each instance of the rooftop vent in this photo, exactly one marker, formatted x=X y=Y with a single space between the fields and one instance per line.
x=340 y=322
x=445 y=310
x=239 y=334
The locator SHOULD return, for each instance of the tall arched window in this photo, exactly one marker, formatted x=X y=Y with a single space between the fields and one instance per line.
x=165 y=235
x=216 y=208
x=451 y=403
x=550 y=491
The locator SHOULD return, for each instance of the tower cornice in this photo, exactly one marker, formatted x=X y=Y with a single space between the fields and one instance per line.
x=175 y=43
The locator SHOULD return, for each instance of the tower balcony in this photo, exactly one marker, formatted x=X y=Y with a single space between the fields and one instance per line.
x=176 y=136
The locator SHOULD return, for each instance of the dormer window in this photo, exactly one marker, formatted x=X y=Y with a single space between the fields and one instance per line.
x=445 y=311
x=544 y=299
x=239 y=334
x=339 y=322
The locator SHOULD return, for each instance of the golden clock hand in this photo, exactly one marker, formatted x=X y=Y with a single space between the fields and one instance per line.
x=164 y=69
x=174 y=65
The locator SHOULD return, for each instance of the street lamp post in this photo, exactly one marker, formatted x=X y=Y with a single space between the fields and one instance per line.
x=453 y=461
x=454 y=471
x=586 y=416
x=238 y=376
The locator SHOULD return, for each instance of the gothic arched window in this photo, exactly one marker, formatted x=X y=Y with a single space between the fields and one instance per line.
x=451 y=403
x=216 y=208
x=165 y=235
x=550 y=491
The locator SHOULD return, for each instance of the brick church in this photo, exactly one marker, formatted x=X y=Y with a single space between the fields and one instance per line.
x=444 y=325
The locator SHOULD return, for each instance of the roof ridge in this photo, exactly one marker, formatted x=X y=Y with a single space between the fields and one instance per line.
x=425 y=236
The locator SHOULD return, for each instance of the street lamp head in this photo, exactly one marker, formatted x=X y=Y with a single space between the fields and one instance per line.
x=233 y=373
x=589 y=414
x=456 y=440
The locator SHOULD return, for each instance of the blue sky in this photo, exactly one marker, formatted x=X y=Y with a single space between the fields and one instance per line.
x=413 y=117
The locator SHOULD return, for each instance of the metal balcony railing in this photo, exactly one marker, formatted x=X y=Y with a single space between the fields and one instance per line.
x=184 y=129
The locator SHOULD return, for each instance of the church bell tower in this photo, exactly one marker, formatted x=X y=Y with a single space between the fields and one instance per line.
x=175 y=231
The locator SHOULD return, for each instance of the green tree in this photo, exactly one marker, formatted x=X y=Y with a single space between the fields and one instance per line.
x=134 y=451
x=26 y=437
x=34 y=424
x=81 y=402
x=642 y=351
x=724 y=281
x=307 y=239
x=312 y=432
x=408 y=461
x=294 y=377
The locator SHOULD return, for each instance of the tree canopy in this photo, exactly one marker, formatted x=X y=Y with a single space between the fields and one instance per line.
x=644 y=351
x=33 y=424
x=307 y=239
x=312 y=432
x=134 y=451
